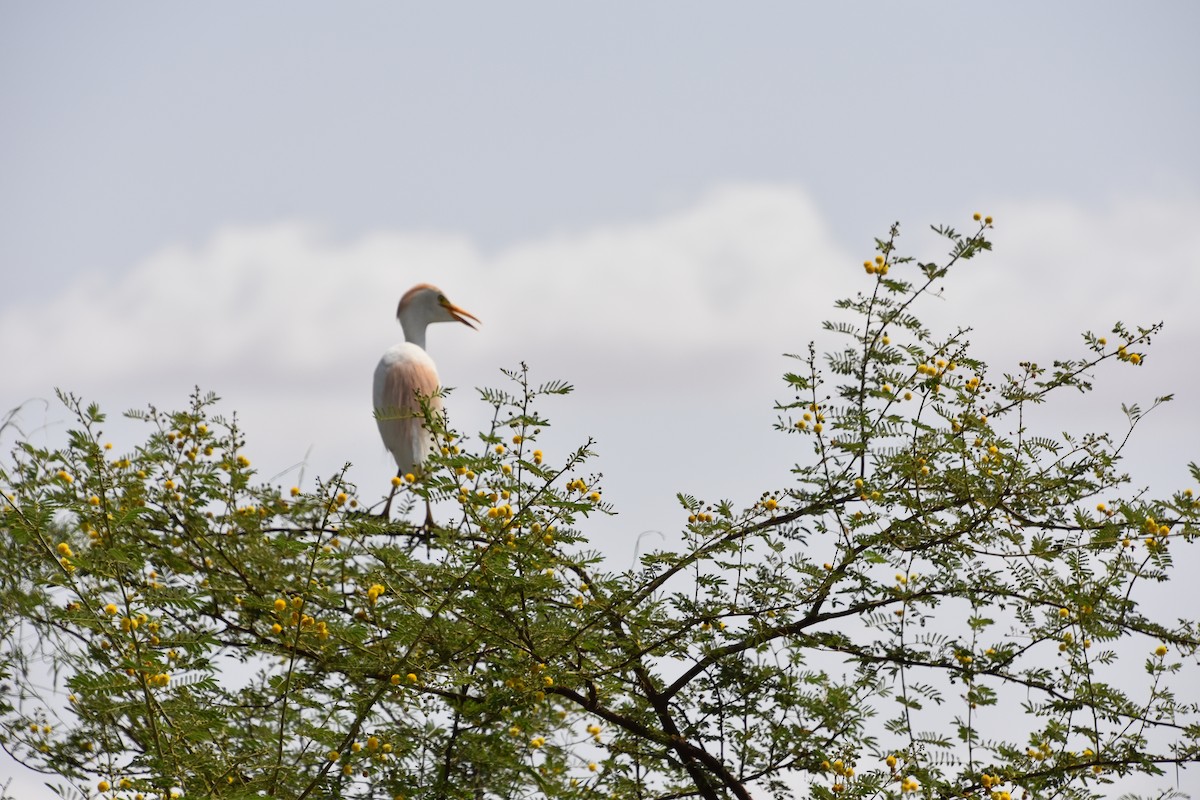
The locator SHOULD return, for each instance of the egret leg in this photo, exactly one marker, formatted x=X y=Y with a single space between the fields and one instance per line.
x=387 y=507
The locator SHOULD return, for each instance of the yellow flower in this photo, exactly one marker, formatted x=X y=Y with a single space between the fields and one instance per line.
x=103 y=786
x=537 y=456
x=243 y=461
x=977 y=216
x=111 y=609
x=1161 y=650
x=1134 y=358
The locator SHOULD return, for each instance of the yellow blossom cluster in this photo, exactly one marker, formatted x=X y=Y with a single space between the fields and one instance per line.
x=936 y=370
x=878 y=266
x=1132 y=358
x=504 y=511
x=1156 y=533
x=65 y=555
x=1039 y=753
x=838 y=767
x=807 y=418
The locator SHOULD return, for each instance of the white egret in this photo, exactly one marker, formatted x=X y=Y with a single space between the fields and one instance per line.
x=406 y=374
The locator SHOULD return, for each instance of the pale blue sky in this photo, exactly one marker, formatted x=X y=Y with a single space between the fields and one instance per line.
x=131 y=126
x=651 y=200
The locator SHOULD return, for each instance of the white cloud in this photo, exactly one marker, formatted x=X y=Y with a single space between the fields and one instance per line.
x=672 y=328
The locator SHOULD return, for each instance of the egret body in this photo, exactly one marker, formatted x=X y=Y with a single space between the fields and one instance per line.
x=406 y=374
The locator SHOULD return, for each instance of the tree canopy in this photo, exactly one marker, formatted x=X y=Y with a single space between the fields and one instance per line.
x=938 y=602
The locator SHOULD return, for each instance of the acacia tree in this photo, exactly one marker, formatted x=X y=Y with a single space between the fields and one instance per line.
x=941 y=602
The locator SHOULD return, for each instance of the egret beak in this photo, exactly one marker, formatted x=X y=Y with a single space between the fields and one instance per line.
x=461 y=315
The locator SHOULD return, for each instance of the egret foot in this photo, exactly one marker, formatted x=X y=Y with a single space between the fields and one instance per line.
x=387 y=507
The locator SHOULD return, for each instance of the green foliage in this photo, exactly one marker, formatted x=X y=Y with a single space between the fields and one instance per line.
x=941 y=602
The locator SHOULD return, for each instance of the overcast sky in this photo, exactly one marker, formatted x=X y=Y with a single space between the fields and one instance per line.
x=652 y=201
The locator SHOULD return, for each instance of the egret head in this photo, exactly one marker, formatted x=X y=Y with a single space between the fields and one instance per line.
x=424 y=304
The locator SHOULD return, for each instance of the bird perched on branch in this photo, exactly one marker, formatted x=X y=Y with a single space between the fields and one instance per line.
x=405 y=375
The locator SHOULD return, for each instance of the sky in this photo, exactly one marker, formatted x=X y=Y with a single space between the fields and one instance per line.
x=653 y=203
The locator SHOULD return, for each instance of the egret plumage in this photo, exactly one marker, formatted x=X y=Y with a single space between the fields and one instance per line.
x=405 y=375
